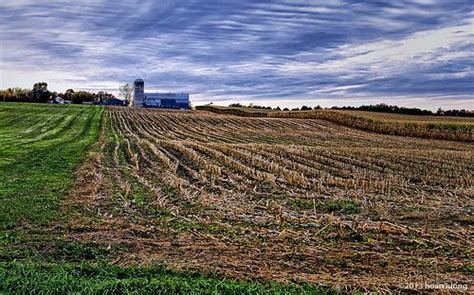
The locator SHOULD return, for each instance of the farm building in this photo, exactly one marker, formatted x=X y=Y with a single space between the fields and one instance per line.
x=113 y=102
x=60 y=100
x=157 y=99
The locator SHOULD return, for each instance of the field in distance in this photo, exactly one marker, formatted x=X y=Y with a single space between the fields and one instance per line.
x=435 y=127
x=282 y=200
x=412 y=118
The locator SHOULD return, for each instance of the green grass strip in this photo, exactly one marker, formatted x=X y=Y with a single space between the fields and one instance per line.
x=40 y=148
x=32 y=278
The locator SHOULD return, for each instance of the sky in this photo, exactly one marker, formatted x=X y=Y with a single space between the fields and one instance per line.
x=287 y=53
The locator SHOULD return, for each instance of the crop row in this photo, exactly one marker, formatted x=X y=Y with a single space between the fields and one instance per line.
x=203 y=148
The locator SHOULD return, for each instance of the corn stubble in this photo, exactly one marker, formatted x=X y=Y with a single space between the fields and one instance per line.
x=287 y=199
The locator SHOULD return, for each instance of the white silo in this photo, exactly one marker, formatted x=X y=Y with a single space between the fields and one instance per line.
x=139 y=93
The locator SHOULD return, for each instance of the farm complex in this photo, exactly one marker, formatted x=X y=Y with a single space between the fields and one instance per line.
x=158 y=100
x=309 y=203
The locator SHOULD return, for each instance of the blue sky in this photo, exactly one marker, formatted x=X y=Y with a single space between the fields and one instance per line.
x=284 y=52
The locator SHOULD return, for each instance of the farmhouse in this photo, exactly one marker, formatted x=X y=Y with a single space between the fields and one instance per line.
x=157 y=99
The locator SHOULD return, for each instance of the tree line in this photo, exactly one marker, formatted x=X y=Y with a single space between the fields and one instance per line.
x=383 y=108
x=40 y=94
x=253 y=106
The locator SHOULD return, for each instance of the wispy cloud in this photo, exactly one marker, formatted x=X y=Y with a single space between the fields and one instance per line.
x=264 y=52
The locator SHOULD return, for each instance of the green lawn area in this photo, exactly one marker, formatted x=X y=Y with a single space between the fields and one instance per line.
x=40 y=147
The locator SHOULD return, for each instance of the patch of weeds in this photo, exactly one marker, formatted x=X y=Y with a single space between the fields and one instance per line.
x=72 y=251
x=222 y=230
x=370 y=239
x=305 y=204
x=170 y=192
x=159 y=212
x=54 y=249
x=469 y=269
x=184 y=226
x=139 y=194
x=336 y=205
x=339 y=205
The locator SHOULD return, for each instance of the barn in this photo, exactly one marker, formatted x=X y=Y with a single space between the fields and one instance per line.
x=158 y=99
x=113 y=102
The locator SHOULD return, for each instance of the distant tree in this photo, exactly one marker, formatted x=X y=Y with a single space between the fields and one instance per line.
x=318 y=107
x=77 y=97
x=126 y=92
x=458 y=113
x=10 y=94
x=277 y=108
x=236 y=105
x=305 y=108
x=68 y=94
x=295 y=109
x=40 y=92
x=384 y=108
x=16 y=94
x=286 y=109
x=82 y=96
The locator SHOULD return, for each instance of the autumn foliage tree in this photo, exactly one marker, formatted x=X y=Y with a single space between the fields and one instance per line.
x=15 y=94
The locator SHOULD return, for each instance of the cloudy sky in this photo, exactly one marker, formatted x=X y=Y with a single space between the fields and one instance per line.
x=283 y=52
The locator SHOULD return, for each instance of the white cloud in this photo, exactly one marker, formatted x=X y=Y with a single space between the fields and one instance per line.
x=385 y=57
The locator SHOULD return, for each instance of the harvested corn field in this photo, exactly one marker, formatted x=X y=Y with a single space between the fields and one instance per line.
x=291 y=200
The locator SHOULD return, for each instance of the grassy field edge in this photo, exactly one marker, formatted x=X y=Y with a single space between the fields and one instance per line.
x=87 y=278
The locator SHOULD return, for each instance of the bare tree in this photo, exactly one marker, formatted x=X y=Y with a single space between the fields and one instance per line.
x=126 y=92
